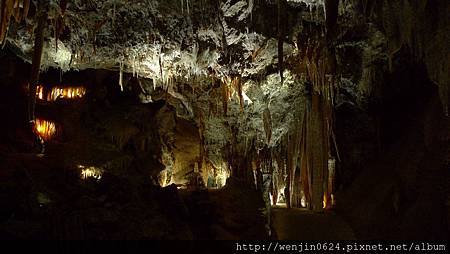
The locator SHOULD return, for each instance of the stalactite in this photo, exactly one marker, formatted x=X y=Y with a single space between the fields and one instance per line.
x=5 y=16
x=37 y=56
x=187 y=6
x=59 y=23
x=63 y=6
x=315 y=126
x=288 y=189
x=113 y=18
x=133 y=66
x=17 y=13
x=97 y=26
x=289 y=162
x=317 y=150
x=390 y=26
x=225 y=96
x=333 y=136
x=16 y=8
x=55 y=33
x=26 y=8
x=267 y=119
x=202 y=147
x=281 y=4
x=238 y=82
x=160 y=66
x=121 y=75
x=305 y=171
x=331 y=14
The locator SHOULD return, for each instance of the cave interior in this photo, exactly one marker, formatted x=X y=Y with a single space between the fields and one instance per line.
x=224 y=119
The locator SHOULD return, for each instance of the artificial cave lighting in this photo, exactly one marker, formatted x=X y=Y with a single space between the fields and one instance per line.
x=58 y=92
x=328 y=202
x=222 y=177
x=165 y=178
x=281 y=200
x=45 y=129
x=66 y=93
x=40 y=92
x=90 y=172
x=212 y=120
x=302 y=199
x=217 y=177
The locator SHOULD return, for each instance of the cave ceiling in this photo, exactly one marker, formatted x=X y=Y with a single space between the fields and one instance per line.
x=169 y=39
x=175 y=44
x=183 y=46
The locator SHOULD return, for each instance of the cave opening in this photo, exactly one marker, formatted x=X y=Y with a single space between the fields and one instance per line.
x=224 y=120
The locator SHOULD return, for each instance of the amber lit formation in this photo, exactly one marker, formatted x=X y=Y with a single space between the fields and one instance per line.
x=61 y=93
x=90 y=172
x=18 y=9
x=66 y=93
x=40 y=92
x=45 y=129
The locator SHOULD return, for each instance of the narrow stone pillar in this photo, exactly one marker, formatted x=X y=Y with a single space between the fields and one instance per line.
x=317 y=146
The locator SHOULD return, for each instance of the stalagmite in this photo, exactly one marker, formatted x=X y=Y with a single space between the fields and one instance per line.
x=318 y=150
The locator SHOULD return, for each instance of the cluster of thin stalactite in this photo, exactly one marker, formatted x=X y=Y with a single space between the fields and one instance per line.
x=18 y=9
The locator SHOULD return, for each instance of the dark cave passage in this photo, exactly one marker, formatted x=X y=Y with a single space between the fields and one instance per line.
x=402 y=174
x=224 y=120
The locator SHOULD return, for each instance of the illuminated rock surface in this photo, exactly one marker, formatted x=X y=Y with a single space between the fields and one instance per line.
x=161 y=119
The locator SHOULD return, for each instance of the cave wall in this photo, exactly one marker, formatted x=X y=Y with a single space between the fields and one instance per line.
x=14 y=107
x=391 y=119
x=45 y=197
x=396 y=190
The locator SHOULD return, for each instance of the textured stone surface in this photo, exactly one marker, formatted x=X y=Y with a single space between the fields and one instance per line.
x=164 y=79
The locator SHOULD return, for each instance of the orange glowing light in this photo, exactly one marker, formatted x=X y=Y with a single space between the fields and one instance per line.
x=61 y=93
x=40 y=92
x=66 y=93
x=45 y=129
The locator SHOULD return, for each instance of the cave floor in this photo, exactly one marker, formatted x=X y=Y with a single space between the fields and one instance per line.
x=301 y=224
